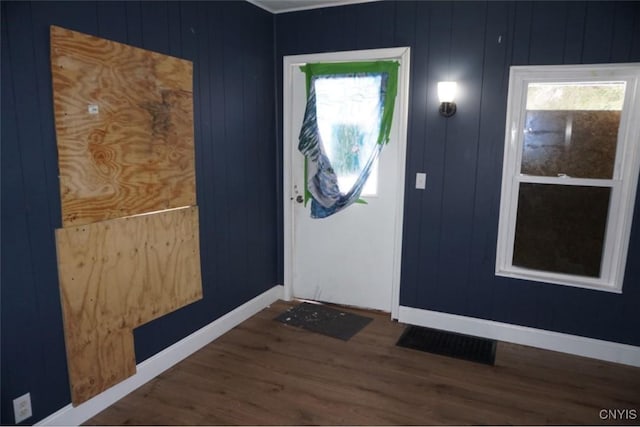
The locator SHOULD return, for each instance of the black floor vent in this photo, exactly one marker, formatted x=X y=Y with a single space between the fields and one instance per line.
x=461 y=346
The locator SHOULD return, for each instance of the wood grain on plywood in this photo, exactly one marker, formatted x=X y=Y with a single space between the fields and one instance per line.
x=116 y=275
x=135 y=153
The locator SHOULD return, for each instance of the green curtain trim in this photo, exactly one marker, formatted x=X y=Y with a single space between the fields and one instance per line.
x=337 y=68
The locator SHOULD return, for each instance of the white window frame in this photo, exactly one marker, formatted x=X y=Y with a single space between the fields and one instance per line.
x=623 y=183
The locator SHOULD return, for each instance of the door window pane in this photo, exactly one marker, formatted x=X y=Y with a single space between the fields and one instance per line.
x=348 y=115
x=572 y=129
x=561 y=228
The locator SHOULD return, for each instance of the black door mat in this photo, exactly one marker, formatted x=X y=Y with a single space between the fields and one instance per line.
x=451 y=344
x=324 y=320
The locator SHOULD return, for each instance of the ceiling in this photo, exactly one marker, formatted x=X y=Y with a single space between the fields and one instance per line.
x=282 y=6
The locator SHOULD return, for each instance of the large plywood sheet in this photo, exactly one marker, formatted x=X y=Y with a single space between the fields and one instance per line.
x=124 y=125
x=116 y=275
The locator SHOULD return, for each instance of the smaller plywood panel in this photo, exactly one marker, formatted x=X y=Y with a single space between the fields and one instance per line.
x=124 y=126
x=116 y=275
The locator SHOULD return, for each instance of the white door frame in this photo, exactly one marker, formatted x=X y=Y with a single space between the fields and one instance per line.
x=290 y=139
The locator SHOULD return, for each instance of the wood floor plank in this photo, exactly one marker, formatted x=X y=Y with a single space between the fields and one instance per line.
x=266 y=373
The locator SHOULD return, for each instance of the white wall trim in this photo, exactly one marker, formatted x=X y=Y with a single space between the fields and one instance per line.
x=155 y=365
x=565 y=343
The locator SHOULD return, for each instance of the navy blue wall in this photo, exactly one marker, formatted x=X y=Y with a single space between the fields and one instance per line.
x=231 y=46
x=450 y=229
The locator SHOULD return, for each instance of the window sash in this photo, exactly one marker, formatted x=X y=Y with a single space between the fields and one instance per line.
x=561 y=278
x=623 y=183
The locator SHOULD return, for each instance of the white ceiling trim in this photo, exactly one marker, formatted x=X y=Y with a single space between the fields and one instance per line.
x=284 y=6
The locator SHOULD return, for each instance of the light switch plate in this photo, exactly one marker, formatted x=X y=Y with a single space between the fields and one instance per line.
x=421 y=181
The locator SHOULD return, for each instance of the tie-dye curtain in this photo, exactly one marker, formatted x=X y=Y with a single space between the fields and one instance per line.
x=346 y=123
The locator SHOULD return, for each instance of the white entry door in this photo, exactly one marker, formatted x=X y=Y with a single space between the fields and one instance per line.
x=352 y=257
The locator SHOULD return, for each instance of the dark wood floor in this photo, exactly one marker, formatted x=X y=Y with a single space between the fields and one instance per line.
x=264 y=372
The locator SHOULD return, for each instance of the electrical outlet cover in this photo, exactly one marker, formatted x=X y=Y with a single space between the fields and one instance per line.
x=22 y=407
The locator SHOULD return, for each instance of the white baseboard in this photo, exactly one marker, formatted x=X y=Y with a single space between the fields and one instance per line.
x=572 y=344
x=155 y=365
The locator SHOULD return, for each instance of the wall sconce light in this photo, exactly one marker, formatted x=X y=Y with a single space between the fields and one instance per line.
x=447 y=94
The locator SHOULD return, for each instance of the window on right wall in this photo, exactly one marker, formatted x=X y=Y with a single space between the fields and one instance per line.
x=571 y=164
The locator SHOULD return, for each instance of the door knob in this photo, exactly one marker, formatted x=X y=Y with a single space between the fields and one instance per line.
x=299 y=199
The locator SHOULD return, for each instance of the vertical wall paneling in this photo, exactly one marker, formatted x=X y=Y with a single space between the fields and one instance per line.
x=417 y=17
x=174 y=30
x=203 y=126
x=39 y=293
x=629 y=310
x=374 y=25
x=33 y=360
x=81 y=16
x=49 y=311
x=435 y=150
x=248 y=203
x=591 y=32
x=387 y=31
x=234 y=129
x=349 y=29
x=498 y=38
x=155 y=25
x=521 y=24
x=32 y=159
x=548 y=20
x=263 y=209
x=315 y=26
x=217 y=173
x=133 y=15
x=404 y=24
x=598 y=33
x=466 y=67
x=270 y=253
x=18 y=281
x=518 y=299
x=635 y=41
x=112 y=21
x=405 y=35
x=253 y=204
x=622 y=32
x=47 y=128
x=574 y=31
x=450 y=228
x=215 y=176
x=331 y=24
x=277 y=155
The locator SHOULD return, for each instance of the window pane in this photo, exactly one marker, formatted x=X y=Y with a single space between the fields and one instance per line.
x=561 y=228
x=348 y=113
x=572 y=129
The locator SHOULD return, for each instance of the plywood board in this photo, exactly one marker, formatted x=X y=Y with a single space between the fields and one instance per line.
x=116 y=275
x=124 y=126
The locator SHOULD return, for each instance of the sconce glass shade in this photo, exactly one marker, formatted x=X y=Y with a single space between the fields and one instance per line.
x=447 y=94
x=447 y=91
